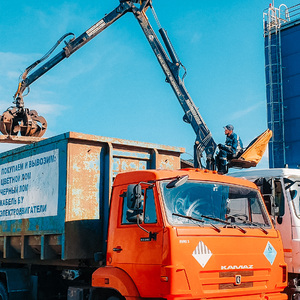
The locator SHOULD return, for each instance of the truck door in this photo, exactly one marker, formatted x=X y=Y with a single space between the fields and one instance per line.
x=137 y=247
x=282 y=217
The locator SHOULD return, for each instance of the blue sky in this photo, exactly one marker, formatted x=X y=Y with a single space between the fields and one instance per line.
x=114 y=86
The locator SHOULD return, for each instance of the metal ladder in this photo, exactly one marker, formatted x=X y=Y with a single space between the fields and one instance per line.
x=273 y=19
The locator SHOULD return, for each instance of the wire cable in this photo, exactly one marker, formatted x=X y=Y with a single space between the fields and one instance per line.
x=32 y=66
x=155 y=17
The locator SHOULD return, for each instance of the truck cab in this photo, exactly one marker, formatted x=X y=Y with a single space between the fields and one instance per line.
x=190 y=234
x=281 y=190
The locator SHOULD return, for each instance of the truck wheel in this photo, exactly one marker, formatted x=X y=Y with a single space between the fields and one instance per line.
x=113 y=298
x=3 y=292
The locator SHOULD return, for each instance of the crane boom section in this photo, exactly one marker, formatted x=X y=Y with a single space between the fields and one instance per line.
x=204 y=140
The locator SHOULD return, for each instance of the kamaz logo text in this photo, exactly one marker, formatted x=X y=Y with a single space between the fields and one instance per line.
x=240 y=267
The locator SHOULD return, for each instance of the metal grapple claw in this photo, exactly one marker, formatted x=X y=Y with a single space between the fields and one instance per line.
x=24 y=121
x=8 y=122
x=36 y=125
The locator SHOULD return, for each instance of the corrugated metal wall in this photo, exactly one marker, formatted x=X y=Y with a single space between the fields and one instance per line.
x=290 y=53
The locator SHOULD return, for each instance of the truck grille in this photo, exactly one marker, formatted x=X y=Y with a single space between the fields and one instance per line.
x=226 y=280
x=223 y=286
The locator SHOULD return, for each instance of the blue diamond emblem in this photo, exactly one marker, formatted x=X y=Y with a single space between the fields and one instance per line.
x=270 y=253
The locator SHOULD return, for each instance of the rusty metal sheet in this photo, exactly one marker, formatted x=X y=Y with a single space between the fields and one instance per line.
x=10 y=139
x=116 y=142
x=83 y=181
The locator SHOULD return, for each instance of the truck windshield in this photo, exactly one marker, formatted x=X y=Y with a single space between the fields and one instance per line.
x=213 y=203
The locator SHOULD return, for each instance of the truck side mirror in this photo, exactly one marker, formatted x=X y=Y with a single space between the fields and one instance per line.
x=134 y=203
x=134 y=196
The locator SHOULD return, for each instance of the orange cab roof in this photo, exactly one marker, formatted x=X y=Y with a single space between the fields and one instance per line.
x=196 y=174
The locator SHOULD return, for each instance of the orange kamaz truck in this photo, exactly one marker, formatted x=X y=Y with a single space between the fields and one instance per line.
x=89 y=217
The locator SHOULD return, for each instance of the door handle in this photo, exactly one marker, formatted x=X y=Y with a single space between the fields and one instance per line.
x=118 y=249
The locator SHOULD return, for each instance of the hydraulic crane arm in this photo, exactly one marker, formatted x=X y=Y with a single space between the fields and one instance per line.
x=171 y=68
x=21 y=119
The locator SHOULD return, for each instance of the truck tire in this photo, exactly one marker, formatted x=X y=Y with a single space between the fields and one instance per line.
x=113 y=298
x=3 y=292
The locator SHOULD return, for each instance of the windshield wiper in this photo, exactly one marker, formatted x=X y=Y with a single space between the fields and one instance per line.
x=259 y=226
x=187 y=217
x=224 y=222
x=197 y=220
x=250 y=223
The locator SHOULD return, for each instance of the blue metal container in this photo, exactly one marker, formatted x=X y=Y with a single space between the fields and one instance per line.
x=282 y=57
x=54 y=194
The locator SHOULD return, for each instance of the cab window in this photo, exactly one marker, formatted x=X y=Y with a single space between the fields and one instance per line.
x=147 y=206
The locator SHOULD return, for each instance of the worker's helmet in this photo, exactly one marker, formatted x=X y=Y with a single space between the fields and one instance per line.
x=229 y=127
